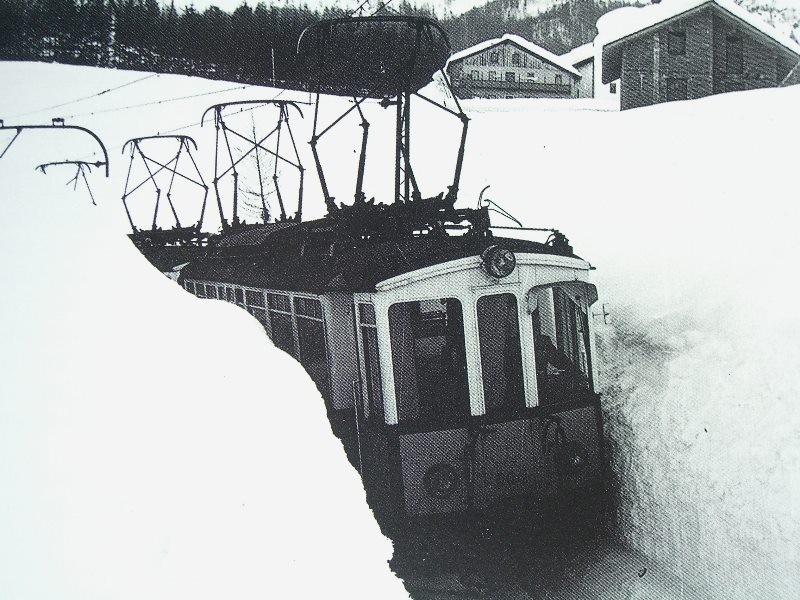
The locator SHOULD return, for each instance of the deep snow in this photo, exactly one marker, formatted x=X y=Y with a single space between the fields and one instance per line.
x=687 y=210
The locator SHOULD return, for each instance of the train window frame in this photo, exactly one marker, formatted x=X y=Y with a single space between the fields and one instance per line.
x=259 y=311
x=508 y=407
x=582 y=386
x=301 y=300
x=275 y=309
x=461 y=408
x=370 y=372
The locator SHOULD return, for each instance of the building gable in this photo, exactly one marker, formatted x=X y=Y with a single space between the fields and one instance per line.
x=526 y=48
x=613 y=48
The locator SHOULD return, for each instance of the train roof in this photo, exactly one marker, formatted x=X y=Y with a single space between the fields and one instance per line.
x=305 y=257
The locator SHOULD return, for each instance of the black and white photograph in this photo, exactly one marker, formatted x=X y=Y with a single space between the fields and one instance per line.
x=413 y=299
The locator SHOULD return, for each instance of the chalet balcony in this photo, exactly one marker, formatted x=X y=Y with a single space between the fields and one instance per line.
x=555 y=89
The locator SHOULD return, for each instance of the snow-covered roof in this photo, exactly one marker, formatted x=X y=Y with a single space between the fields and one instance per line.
x=579 y=54
x=624 y=22
x=546 y=55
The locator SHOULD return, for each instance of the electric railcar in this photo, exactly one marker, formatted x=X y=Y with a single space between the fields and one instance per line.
x=458 y=370
x=457 y=366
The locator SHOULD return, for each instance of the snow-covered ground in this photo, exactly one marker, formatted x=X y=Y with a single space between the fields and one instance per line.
x=152 y=445
x=686 y=209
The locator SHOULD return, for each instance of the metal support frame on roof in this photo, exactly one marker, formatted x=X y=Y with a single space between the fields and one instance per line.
x=388 y=59
x=255 y=144
x=81 y=167
x=406 y=188
x=179 y=234
x=57 y=124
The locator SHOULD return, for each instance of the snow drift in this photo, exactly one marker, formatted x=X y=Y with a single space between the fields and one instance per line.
x=688 y=211
x=152 y=445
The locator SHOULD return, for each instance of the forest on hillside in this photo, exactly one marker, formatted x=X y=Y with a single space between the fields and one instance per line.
x=252 y=44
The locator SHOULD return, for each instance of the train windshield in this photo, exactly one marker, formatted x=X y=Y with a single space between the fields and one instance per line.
x=501 y=357
x=429 y=360
x=561 y=341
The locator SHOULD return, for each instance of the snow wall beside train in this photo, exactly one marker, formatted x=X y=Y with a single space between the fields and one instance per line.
x=152 y=445
x=689 y=212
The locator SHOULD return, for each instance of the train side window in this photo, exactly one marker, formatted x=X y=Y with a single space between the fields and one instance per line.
x=221 y=292
x=501 y=355
x=373 y=407
x=256 y=305
x=211 y=291
x=561 y=342
x=189 y=286
x=239 y=295
x=280 y=317
x=229 y=294
x=429 y=361
x=311 y=340
x=200 y=290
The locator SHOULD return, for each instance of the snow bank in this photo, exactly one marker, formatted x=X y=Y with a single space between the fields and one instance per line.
x=152 y=445
x=688 y=210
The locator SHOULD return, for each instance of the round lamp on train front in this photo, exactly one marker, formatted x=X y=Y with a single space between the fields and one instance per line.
x=498 y=261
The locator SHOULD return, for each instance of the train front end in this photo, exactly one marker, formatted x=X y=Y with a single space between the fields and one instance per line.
x=479 y=373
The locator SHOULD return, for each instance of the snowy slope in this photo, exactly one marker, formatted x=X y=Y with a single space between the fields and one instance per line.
x=686 y=209
x=152 y=445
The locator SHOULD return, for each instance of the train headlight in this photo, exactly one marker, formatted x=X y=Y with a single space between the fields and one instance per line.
x=441 y=481
x=499 y=262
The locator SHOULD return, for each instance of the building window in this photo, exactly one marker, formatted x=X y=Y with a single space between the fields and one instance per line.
x=734 y=58
x=501 y=357
x=676 y=89
x=613 y=88
x=676 y=43
x=482 y=60
x=641 y=82
x=510 y=76
x=373 y=403
x=515 y=59
x=474 y=75
x=559 y=79
x=429 y=361
x=532 y=76
x=492 y=75
x=494 y=58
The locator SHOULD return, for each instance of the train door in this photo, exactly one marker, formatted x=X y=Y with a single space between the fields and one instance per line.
x=569 y=426
x=371 y=441
x=431 y=392
x=504 y=454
